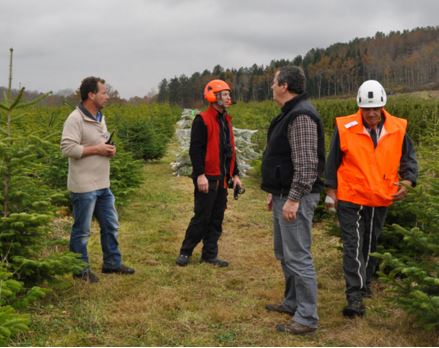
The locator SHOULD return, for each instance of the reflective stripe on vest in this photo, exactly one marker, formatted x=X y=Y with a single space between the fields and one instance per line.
x=367 y=175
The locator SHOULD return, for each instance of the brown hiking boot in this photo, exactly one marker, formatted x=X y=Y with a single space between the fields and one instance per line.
x=280 y=308
x=295 y=328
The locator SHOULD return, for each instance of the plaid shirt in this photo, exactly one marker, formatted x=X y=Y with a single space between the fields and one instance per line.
x=303 y=139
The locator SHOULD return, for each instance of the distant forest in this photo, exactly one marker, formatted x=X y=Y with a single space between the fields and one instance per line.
x=401 y=61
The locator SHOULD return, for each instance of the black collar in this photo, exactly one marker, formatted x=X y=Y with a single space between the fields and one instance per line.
x=290 y=104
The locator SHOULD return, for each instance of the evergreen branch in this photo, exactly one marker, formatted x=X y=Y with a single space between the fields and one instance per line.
x=32 y=102
x=20 y=116
x=17 y=99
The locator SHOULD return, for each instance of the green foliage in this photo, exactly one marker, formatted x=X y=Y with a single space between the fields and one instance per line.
x=25 y=211
x=144 y=130
x=126 y=175
x=142 y=140
x=410 y=248
x=11 y=323
x=414 y=284
x=13 y=296
x=422 y=115
x=28 y=202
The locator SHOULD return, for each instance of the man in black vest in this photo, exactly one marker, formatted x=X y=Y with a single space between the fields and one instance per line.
x=291 y=167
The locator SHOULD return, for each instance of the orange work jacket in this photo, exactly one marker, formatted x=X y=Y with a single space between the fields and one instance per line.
x=367 y=175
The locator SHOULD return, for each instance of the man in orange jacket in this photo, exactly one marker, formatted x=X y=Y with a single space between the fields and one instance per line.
x=213 y=156
x=371 y=163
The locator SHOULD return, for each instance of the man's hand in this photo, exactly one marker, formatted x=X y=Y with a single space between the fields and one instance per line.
x=236 y=181
x=270 y=202
x=290 y=209
x=202 y=183
x=102 y=149
x=402 y=191
x=106 y=150
x=331 y=199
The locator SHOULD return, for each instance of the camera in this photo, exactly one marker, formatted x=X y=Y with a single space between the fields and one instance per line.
x=110 y=139
x=238 y=189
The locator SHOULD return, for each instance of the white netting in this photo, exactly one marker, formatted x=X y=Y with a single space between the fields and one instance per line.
x=245 y=149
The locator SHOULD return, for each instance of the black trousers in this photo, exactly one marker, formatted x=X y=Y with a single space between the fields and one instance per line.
x=361 y=227
x=206 y=224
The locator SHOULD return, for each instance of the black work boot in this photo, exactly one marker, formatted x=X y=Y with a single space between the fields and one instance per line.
x=182 y=260
x=354 y=308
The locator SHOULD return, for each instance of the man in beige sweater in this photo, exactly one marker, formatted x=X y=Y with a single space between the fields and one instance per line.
x=85 y=141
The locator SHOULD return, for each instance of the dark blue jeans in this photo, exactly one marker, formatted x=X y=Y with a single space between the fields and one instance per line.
x=99 y=203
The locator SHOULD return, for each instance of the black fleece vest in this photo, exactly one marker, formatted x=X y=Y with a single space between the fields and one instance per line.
x=277 y=167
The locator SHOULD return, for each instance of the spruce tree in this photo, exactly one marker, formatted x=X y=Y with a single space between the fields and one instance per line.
x=26 y=211
x=410 y=250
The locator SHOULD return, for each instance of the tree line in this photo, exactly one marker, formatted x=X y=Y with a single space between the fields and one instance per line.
x=401 y=61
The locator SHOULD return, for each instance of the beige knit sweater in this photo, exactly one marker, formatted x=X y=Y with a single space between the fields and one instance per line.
x=90 y=173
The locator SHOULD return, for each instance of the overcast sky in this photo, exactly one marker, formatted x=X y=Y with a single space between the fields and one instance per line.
x=134 y=44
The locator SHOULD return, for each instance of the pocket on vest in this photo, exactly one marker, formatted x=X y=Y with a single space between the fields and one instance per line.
x=277 y=175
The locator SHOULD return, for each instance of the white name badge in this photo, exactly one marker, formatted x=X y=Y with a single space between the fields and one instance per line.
x=351 y=124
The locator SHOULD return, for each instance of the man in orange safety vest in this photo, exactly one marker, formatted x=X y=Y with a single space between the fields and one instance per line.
x=371 y=163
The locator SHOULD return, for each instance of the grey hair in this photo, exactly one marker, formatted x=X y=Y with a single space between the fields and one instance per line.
x=294 y=77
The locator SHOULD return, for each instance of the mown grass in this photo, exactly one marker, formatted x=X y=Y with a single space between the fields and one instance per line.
x=164 y=305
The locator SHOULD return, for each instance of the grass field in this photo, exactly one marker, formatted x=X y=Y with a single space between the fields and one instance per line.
x=200 y=305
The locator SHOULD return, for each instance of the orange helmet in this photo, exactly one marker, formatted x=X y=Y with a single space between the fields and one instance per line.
x=212 y=88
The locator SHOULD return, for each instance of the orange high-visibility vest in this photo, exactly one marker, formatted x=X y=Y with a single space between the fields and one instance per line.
x=367 y=175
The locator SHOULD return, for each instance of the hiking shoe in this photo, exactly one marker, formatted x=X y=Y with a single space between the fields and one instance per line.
x=182 y=260
x=87 y=276
x=295 y=328
x=122 y=269
x=280 y=308
x=354 y=308
x=216 y=262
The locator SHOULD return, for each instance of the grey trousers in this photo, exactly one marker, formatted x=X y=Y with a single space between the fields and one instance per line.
x=292 y=247
x=360 y=227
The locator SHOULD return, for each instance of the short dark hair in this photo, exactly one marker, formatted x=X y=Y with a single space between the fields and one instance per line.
x=89 y=84
x=294 y=77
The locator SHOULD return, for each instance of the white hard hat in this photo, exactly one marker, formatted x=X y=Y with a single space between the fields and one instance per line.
x=371 y=94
